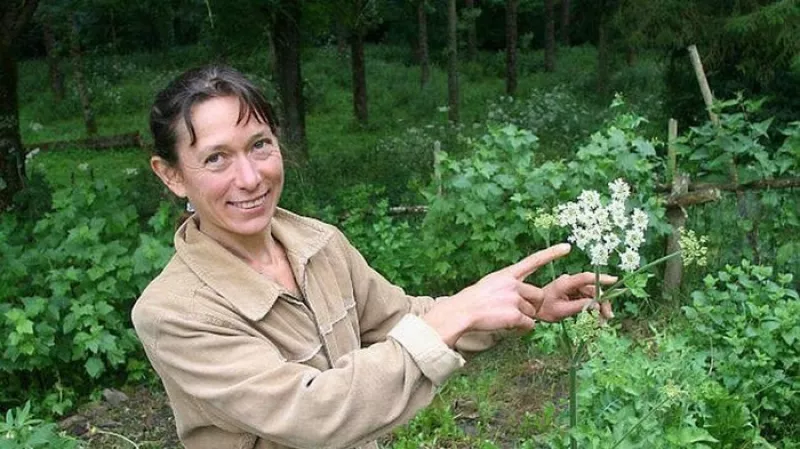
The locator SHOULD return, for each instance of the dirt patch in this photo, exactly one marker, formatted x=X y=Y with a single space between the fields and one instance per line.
x=142 y=417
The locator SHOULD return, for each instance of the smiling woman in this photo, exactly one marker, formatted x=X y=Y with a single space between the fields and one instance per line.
x=268 y=329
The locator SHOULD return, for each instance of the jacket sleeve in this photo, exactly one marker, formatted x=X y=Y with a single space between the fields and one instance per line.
x=241 y=382
x=381 y=305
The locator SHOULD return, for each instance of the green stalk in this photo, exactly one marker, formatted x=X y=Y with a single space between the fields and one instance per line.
x=639 y=270
x=550 y=264
x=573 y=403
x=597 y=283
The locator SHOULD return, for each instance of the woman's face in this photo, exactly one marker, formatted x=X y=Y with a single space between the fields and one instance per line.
x=232 y=175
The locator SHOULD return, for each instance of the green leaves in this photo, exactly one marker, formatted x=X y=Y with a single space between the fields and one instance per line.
x=21 y=431
x=750 y=325
x=75 y=287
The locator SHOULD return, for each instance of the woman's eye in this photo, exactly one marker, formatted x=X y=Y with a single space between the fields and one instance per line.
x=262 y=147
x=215 y=160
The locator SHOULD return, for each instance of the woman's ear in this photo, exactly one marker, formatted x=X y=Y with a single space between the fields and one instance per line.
x=169 y=175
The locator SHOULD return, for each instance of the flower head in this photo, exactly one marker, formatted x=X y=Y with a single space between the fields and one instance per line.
x=620 y=190
x=693 y=249
x=604 y=229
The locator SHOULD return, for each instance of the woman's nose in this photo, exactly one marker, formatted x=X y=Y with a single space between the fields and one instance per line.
x=247 y=174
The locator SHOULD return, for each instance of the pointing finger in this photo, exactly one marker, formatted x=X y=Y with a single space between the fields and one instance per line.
x=528 y=265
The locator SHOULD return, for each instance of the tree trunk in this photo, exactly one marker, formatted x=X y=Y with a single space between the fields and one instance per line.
x=472 y=33
x=341 y=37
x=12 y=158
x=80 y=80
x=565 y=15
x=602 y=59
x=286 y=40
x=452 y=64
x=53 y=60
x=549 y=36
x=359 y=77
x=631 y=56
x=424 y=58
x=511 y=46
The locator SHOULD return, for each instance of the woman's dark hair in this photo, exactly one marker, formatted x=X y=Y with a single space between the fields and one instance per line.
x=195 y=86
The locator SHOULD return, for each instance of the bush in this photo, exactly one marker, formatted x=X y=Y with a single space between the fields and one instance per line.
x=748 y=323
x=67 y=295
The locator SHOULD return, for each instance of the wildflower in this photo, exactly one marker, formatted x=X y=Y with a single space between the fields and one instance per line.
x=587 y=327
x=131 y=171
x=693 y=249
x=599 y=254
x=543 y=220
x=620 y=191
x=603 y=230
x=590 y=200
x=629 y=260
x=639 y=219
x=84 y=166
x=634 y=238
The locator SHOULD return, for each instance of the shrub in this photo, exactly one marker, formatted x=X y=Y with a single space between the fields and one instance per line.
x=70 y=281
x=747 y=321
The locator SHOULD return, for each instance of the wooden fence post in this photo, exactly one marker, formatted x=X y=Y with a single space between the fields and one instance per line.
x=708 y=98
x=676 y=215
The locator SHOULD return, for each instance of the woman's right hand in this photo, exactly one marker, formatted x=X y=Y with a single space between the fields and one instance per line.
x=500 y=300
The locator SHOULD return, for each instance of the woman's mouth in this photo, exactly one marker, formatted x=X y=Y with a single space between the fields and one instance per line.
x=250 y=204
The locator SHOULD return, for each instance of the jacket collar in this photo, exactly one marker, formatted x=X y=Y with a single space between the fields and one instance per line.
x=251 y=293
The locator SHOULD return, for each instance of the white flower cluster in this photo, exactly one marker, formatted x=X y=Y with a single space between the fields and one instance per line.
x=693 y=248
x=602 y=229
x=543 y=220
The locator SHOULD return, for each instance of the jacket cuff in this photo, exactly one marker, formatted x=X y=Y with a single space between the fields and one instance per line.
x=434 y=358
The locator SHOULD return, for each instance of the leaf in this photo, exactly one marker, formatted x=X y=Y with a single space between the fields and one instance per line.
x=94 y=366
x=644 y=147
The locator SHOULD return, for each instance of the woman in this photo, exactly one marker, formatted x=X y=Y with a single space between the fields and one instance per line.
x=268 y=329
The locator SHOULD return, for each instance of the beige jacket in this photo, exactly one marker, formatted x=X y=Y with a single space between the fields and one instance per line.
x=246 y=365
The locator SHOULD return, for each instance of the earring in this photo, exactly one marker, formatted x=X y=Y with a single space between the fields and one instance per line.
x=189 y=207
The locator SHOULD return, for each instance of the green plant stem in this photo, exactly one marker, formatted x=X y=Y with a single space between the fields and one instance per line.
x=640 y=269
x=550 y=264
x=573 y=403
x=597 y=291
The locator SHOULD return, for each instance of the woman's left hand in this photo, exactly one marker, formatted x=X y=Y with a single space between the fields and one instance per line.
x=569 y=294
x=566 y=296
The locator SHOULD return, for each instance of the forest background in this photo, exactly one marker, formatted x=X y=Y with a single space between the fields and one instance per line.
x=438 y=135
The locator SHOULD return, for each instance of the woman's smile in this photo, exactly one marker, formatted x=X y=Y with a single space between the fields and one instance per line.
x=250 y=204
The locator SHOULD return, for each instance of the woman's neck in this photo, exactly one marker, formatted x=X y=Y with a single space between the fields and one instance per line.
x=256 y=250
